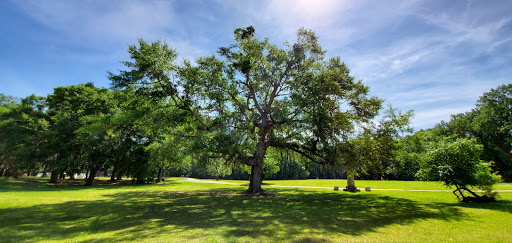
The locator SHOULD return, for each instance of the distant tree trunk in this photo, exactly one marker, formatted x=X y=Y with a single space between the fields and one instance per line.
x=62 y=175
x=72 y=176
x=160 y=175
x=4 y=172
x=119 y=177
x=92 y=174
x=45 y=172
x=54 y=177
x=351 y=184
x=114 y=172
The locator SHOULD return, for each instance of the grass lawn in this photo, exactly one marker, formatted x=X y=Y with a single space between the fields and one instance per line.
x=375 y=184
x=178 y=210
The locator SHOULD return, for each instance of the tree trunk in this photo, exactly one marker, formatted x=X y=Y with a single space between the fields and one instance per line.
x=351 y=184
x=92 y=174
x=256 y=161
x=119 y=177
x=72 y=176
x=255 y=183
x=45 y=172
x=54 y=177
x=62 y=175
x=160 y=175
x=4 y=172
x=472 y=193
x=114 y=172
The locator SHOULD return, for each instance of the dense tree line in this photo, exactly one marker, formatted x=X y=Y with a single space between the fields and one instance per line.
x=256 y=111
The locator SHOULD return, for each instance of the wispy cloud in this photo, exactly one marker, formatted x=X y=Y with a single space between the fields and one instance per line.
x=435 y=56
x=102 y=21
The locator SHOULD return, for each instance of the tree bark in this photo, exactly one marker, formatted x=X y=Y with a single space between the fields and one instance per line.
x=45 y=174
x=472 y=193
x=160 y=175
x=92 y=174
x=351 y=184
x=72 y=176
x=54 y=177
x=256 y=163
x=255 y=183
x=114 y=172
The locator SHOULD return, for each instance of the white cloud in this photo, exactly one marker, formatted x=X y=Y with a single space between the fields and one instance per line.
x=416 y=54
x=427 y=118
x=102 y=21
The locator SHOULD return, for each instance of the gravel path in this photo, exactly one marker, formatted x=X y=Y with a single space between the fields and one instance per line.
x=323 y=187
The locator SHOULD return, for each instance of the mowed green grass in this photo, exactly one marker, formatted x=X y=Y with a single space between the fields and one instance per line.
x=374 y=184
x=182 y=211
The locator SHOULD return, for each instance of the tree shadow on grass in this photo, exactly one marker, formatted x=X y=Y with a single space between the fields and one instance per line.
x=499 y=205
x=41 y=184
x=288 y=216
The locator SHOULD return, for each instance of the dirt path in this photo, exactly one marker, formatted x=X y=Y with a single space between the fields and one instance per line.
x=323 y=187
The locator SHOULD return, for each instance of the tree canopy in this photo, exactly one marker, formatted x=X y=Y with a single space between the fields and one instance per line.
x=256 y=95
x=457 y=163
x=254 y=110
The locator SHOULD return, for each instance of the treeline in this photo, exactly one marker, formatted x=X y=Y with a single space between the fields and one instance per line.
x=84 y=129
x=488 y=125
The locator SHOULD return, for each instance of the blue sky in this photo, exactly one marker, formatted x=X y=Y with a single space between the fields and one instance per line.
x=436 y=57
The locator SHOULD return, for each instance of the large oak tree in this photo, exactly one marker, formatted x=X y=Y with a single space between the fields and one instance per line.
x=256 y=95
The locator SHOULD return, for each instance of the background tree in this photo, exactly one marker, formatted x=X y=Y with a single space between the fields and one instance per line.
x=374 y=150
x=457 y=163
x=489 y=123
x=22 y=126
x=69 y=149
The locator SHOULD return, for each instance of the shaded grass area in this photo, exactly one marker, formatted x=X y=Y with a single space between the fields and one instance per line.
x=182 y=211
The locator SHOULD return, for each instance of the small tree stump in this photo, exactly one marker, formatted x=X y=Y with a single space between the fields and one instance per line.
x=336 y=188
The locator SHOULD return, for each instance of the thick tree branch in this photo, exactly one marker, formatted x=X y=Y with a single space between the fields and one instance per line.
x=253 y=95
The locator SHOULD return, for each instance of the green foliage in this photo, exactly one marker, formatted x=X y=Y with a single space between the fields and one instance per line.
x=254 y=96
x=409 y=156
x=22 y=129
x=489 y=123
x=458 y=164
x=376 y=149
